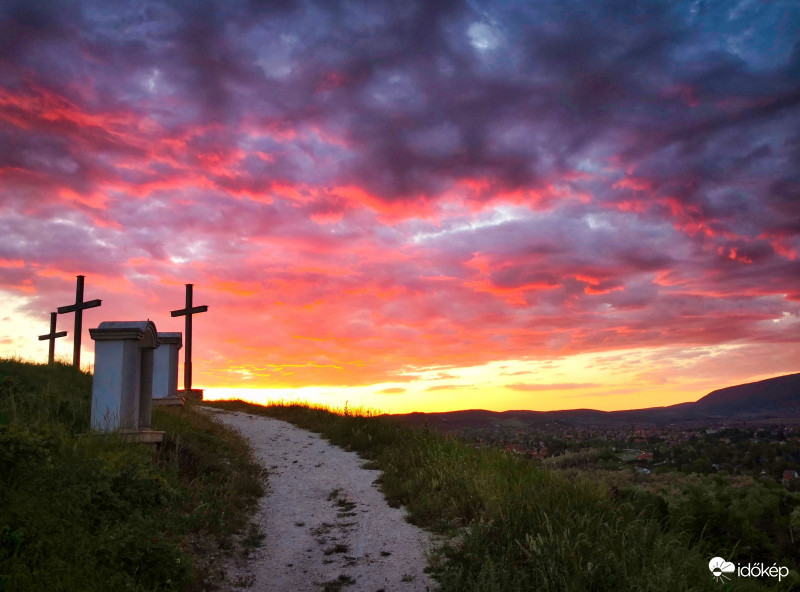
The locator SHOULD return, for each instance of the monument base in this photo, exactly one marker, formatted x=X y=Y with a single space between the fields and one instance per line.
x=169 y=402
x=193 y=394
x=141 y=436
x=132 y=436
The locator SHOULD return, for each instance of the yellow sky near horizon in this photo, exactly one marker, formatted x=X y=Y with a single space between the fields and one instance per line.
x=587 y=381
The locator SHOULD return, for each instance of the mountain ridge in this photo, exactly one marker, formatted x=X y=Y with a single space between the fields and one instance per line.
x=776 y=399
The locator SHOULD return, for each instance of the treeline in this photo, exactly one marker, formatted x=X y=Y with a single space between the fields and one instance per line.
x=765 y=452
x=735 y=451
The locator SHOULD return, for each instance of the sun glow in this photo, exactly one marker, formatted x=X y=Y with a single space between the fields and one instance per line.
x=606 y=381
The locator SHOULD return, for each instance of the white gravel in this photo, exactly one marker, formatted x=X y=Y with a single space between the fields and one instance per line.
x=319 y=496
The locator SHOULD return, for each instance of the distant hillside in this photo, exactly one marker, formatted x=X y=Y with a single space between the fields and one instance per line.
x=772 y=399
x=775 y=397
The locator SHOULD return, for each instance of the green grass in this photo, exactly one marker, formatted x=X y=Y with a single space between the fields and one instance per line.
x=85 y=513
x=513 y=526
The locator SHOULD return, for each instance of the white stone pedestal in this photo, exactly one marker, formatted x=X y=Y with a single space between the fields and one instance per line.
x=165 y=369
x=122 y=389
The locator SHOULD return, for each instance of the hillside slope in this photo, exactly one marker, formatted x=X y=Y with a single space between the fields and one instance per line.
x=775 y=399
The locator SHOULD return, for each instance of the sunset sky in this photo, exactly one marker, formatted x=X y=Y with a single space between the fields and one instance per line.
x=412 y=205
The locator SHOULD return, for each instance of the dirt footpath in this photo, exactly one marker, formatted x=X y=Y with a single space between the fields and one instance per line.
x=326 y=525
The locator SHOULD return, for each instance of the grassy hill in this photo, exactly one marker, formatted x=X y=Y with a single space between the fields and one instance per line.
x=774 y=397
x=91 y=513
x=514 y=527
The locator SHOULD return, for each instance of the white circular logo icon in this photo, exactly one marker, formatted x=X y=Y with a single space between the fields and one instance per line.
x=719 y=567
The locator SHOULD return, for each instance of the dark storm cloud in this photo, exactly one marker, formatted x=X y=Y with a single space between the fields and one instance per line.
x=431 y=92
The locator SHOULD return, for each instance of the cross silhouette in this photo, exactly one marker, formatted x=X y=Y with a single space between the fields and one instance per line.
x=188 y=312
x=52 y=336
x=78 y=309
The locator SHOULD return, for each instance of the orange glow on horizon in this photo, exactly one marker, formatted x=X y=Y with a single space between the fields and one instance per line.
x=408 y=399
x=606 y=384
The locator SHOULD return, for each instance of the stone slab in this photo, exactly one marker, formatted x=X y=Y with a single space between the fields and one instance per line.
x=132 y=436
x=165 y=365
x=169 y=402
x=141 y=436
x=193 y=394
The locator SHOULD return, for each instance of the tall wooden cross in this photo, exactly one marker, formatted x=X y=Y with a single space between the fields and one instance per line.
x=187 y=340
x=52 y=336
x=78 y=309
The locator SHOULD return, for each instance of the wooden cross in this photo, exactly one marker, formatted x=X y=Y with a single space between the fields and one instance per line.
x=187 y=344
x=52 y=336
x=78 y=309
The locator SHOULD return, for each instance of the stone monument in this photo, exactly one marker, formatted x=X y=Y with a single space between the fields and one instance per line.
x=165 y=370
x=122 y=388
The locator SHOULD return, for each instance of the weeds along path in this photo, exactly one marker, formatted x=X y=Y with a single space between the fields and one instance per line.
x=326 y=526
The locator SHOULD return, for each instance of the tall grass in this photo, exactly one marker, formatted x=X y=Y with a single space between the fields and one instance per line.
x=515 y=527
x=88 y=513
x=38 y=395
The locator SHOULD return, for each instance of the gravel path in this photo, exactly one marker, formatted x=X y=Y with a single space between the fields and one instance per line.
x=327 y=526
